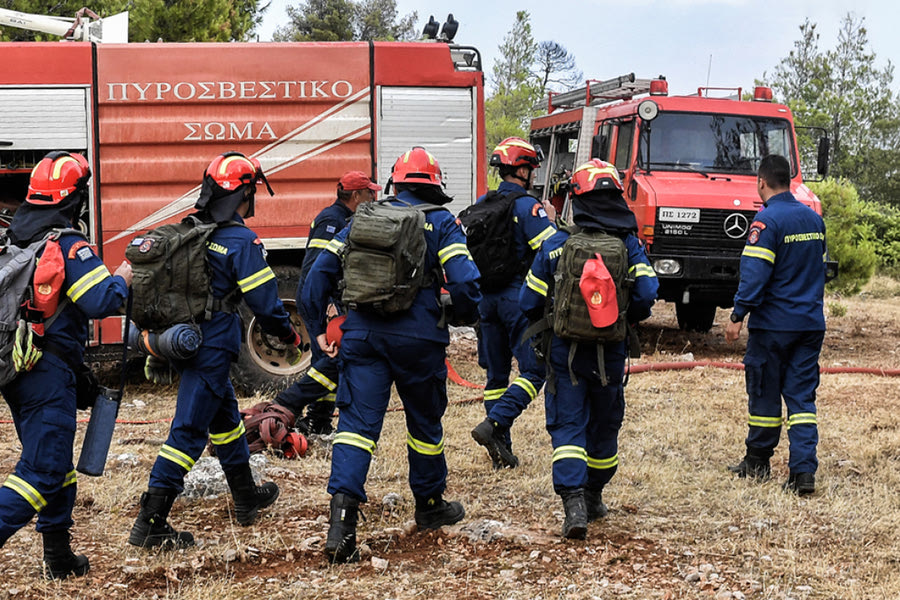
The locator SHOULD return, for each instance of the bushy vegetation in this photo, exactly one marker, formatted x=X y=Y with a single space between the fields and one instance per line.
x=850 y=238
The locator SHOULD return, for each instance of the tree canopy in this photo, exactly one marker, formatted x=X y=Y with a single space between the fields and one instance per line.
x=167 y=20
x=844 y=91
x=346 y=20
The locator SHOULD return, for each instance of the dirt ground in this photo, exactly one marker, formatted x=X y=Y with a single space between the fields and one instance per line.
x=679 y=526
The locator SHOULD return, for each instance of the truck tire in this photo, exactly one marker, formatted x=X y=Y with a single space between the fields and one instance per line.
x=261 y=365
x=696 y=316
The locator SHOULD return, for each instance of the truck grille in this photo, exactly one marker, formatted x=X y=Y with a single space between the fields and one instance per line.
x=707 y=237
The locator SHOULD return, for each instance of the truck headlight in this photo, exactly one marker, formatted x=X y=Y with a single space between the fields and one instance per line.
x=667 y=266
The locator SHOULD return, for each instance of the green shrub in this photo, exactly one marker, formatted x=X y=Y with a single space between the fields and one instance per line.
x=883 y=221
x=850 y=238
x=836 y=309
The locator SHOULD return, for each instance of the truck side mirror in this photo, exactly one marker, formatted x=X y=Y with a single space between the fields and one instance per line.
x=822 y=156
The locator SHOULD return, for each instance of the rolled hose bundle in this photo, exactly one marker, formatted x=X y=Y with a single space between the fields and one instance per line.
x=178 y=342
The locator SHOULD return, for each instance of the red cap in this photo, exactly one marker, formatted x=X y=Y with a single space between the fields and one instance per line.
x=334 y=333
x=599 y=291
x=357 y=180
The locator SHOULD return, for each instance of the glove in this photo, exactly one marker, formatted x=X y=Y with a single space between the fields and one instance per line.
x=157 y=370
x=292 y=352
x=292 y=355
x=26 y=352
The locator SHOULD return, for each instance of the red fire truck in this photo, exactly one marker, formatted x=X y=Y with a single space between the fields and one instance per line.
x=150 y=117
x=688 y=165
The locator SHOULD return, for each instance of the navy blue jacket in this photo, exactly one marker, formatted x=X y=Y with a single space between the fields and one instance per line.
x=237 y=259
x=782 y=283
x=446 y=248
x=322 y=230
x=93 y=293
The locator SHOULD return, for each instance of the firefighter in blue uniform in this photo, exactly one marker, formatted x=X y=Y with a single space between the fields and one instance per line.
x=317 y=388
x=407 y=349
x=782 y=288
x=43 y=400
x=501 y=321
x=206 y=402
x=584 y=416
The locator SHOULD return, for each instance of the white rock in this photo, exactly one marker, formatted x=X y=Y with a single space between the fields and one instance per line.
x=724 y=595
x=230 y=555
x=485 y=530
x=692 y=577
x=379 y=564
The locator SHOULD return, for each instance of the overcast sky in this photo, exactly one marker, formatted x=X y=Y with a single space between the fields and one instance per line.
x=676 y=38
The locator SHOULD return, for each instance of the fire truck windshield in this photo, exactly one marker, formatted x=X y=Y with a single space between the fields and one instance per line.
x=709 y=143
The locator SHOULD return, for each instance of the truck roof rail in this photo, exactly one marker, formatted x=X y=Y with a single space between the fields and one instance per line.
x=596 y=92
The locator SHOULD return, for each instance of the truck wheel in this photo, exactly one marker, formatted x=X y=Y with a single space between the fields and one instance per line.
x=261 y=365
x=696 y=316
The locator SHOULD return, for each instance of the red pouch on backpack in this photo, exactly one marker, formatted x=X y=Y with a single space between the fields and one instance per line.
x=599 y=292
x=49 y=275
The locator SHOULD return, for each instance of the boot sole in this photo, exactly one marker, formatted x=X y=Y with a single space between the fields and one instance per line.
x=576 y=533
x=498 y=453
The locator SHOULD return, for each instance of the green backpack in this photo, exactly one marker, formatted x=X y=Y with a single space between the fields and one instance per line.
x=571 y=320
x=384 y=257
x=567 y=317
x=171 y=275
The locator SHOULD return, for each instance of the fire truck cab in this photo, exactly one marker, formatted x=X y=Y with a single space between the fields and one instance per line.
x=688 y=164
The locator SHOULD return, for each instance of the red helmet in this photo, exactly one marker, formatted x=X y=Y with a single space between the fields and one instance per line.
x=56 y=176
x=232 y=170
x=595 y=175
x=417 y=166
x=516 y=152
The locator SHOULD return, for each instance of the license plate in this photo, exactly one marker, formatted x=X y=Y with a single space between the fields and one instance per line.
x=680 y=215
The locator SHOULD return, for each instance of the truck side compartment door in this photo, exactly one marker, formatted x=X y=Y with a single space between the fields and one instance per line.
x=440 y=119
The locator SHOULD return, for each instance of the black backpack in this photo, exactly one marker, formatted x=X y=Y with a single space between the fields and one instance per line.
x=384 y=257
x=172 y=277
x=489 y=230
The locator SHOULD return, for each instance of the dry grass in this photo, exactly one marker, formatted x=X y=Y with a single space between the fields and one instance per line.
x=680 y=526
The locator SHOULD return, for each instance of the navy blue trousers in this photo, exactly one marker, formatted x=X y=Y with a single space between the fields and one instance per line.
x=783 y=364
x=584 y=419
x=502 y=323
x=42 y=402
x=206 y=409
x=370 y=363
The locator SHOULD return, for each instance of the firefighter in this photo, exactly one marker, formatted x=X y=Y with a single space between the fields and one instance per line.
x=407 y=349
x=206 y=403
x=320 y=382
x=501 y=320
x=583 y=414
x=43 y=400
x=782 y=288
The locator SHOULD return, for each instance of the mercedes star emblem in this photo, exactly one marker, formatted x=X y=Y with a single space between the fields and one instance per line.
x=736 y=226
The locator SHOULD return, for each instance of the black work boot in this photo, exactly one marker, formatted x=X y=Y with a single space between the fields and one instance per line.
x=434 y=513
x=151 y=529
x=59 y=560
x=249 y=497
x=755 y=465
x=315 y=425
x=575 y=525
x=488 y=434
x=593 y=500
x=800 y=483
x=340 y=546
